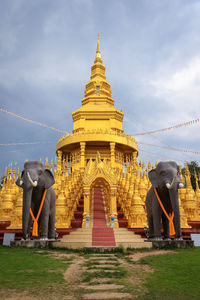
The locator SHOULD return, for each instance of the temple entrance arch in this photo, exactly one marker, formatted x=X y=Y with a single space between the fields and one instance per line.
x=99 y=173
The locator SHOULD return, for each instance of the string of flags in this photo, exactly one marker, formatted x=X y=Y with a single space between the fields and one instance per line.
x=28 y=143
x=170 y=148
x=31 y=121
x=193 y=122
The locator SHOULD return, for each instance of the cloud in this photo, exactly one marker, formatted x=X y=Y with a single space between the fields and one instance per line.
x=180 y=88
x=150 y=50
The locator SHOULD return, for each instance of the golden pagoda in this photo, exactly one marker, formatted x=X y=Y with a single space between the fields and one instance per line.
x=97 y=124
x=97 y=128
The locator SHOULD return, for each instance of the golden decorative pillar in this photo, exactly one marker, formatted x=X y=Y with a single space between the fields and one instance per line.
x=121 y=189
x=113 y=206
x=122 y=192
x=56 y=185
x=68 y=201
x=86 y=205
x=106 y=197
x=82 y=146
x=125 y=195
x=59 y=164
x=142 y=189
x=130 y=197
x=112 y=154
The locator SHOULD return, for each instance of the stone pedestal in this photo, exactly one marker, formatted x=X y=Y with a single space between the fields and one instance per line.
x=172 y=244
x=33 y=243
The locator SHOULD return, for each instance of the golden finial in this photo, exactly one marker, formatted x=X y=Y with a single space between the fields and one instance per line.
x=46 y=163
x=51 y=166
x=6 y=172
x=8 y=169
x=15 y=169
x=149 y=165
x=98 y=53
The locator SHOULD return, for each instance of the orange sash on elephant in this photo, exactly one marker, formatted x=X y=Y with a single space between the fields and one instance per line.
x=35 y=220
x=171 y=224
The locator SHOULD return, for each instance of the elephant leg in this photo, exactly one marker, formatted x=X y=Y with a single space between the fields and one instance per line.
x=157 y=226
x=157 y=220
x=29 y=227
x=44 y=221
x=151 y=228
x=165 y=226
x=51 y=232
x=175 y=207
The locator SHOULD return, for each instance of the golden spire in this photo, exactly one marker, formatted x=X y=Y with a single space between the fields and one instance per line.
x=98 y=85
x=98 y=53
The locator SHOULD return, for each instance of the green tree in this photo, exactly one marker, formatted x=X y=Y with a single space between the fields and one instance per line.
x=194 y=168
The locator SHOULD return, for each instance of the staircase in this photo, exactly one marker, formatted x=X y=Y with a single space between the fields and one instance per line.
x=123 y=223
x=78 y=215
x=100 y=235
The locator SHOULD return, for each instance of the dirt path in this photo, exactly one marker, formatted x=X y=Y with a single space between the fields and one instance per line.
x=106 y=276
x=96 y=276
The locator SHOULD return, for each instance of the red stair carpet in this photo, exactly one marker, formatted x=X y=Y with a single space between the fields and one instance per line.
x=101 y=234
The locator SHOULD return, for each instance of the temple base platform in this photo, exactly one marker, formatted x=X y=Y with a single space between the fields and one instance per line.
x=172 y=244
x=114 y=238
x=32 y=243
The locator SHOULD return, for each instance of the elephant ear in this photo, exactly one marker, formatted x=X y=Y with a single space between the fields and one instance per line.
x=153 y=178
x=19 y=179
x=18 y=182
x=49 y=179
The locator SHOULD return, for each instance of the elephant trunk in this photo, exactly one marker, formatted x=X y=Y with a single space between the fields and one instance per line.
x=27 y=196
x=173 y=193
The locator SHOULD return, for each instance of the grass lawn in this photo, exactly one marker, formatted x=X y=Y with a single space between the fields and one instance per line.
x=22 y=267
x=175 y=277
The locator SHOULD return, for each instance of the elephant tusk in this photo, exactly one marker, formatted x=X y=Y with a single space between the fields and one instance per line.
x=33 y=183
x=170 y=186
x=181 y=185
x=21 y=182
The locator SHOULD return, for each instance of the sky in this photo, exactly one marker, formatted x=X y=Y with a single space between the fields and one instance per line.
x=151 y=51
